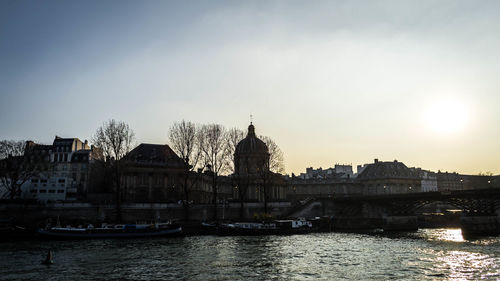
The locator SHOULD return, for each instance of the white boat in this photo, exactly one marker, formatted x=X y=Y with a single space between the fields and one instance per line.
x=112 y=231
x=277 y=227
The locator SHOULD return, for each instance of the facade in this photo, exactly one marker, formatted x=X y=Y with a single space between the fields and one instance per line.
x=339 y=171
x=454 y=181
x=389 y=178
x=152 y=173
x=155 y=173
x=428 y=180
x=449 y=181
x=64 y=169
x=303 y=189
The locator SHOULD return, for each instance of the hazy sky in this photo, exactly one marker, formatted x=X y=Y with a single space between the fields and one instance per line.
x=331 y=82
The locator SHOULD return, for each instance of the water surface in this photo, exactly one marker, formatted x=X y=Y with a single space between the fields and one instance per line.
x=438 y=254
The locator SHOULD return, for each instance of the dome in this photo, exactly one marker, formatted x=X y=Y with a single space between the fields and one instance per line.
x=251 y=144
x=251 y=155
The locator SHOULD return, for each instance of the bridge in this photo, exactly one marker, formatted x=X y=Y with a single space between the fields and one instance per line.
x=398 y=211
x=473 y=201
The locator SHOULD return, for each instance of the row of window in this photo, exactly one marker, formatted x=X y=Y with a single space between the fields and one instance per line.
x=64 y=148
x=61 y=157
x=49 y=191
x=44 y=184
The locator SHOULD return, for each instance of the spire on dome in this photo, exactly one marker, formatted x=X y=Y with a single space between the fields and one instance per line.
x=251 y=130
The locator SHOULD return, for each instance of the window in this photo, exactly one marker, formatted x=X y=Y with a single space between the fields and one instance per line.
x=43 y=191
x=33 y=191
x=65 y=157
x=43 y=181
x=61 y=180
x=144 y=179
x=34 y=180
x=52 y=191
x=60 y=191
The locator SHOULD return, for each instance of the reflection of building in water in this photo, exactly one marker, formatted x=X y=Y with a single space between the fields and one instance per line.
x=252 y=177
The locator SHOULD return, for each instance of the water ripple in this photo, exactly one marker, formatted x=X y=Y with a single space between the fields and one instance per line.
x=439 y=254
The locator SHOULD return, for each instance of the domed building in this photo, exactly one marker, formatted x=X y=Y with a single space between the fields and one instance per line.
x=251 y=155
x=252 y=177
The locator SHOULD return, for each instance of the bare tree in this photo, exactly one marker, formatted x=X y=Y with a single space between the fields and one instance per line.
x=11 y=148
x=234 y=136
x=14 y=171
x=115 y=139
x=240 y=180
x=215 y=154
x=184 y=140
x=276 y=158
x=270 y=167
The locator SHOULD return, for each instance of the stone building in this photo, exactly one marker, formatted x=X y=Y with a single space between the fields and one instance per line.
x=252 y=178
x=64 y=169
x=155 y=173
x=152 y=173
x=449 y=181
x=339 y=171
x=303 y=189
x=428 y=179
x=454 y=181
x=388 y=178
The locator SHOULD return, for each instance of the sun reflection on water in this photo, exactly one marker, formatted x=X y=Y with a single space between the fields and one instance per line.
x=452 y=235
x=463 y=265
x=453 y=262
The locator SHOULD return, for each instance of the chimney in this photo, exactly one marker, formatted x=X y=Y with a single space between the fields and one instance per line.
x=376 y=160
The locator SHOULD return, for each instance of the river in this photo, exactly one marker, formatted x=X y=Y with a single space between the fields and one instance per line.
x=429 y=254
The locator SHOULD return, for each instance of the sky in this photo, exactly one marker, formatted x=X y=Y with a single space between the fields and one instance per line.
x=332 y=82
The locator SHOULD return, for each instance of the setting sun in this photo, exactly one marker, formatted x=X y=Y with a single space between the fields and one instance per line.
x=446 y=116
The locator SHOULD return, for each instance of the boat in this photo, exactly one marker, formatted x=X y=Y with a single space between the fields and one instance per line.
x=112 y=231
x=276 y=227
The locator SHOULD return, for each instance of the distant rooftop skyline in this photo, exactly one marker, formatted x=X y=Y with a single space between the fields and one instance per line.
x=329 y=81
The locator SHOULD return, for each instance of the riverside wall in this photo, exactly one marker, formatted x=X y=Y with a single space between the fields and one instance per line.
x=70 y=213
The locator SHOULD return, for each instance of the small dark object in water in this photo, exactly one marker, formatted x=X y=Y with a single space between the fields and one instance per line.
x=48 y=260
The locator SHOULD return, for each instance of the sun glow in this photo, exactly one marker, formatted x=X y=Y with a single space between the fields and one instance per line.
x=446 y=116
